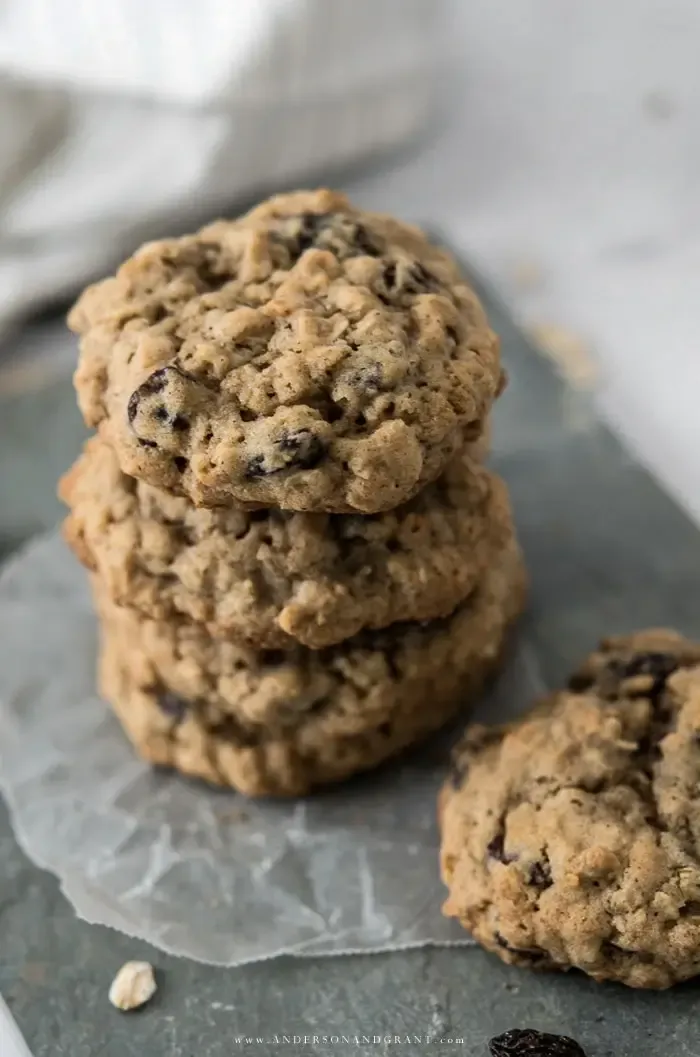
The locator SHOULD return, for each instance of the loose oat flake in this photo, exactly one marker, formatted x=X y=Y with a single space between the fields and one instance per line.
x=133 y=986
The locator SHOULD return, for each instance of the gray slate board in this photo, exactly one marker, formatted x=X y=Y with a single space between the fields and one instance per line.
x=608 y=552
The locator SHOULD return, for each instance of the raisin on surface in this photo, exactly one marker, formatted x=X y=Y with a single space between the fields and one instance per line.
x=155 y=383
x=459 y=769
x=533 y=956
x=272 y=658
x=172 y=705
x=304 y=448
x=145 y=401
x=580 y=682
x=526 y=1042
x=335 y=232
x=295 y=449
x=400 y=279
x=659 y=666
x=369 y=378
x=540 y=874
x=310 y=226
x=607 y=680
x=255 y=467
x=496 y=848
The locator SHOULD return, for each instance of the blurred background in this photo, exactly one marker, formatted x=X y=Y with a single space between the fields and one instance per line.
x=554 y=144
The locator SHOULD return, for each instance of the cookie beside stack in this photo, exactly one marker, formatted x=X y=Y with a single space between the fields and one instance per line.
x=569 y=837
x=300 y=564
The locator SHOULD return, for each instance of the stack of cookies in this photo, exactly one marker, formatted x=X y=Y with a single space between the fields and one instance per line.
x=300 y=564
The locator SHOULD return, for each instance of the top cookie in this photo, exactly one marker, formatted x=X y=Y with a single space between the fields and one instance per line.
x=308 y=356
x=572 y=838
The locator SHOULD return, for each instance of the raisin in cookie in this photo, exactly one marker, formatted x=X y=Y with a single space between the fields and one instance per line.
x=273 y=578
x=275 y=723
x=571 y=839
x=308 y=356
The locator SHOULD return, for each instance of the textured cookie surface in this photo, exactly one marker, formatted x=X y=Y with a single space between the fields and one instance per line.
x=282 y=723
x=308 y=356
x=571 y=839
x=273 y=578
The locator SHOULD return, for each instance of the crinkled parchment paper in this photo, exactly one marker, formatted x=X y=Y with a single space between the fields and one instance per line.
x=200 y=872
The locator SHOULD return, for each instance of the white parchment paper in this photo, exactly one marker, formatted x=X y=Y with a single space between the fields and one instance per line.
x=200 y=872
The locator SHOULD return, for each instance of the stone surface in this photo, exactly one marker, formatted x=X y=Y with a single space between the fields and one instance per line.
x=608 y=552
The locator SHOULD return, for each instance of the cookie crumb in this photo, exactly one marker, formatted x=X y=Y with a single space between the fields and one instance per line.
x=133 y=986
x=568 y=352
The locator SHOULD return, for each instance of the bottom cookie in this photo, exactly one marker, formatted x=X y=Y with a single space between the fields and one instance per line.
x=273 y=723
x=571 y=839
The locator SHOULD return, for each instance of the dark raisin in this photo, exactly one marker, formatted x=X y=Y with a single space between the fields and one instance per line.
x=180 y=463
x=540 y=874
x=161 y=413
x=273 y=658
x=496 y=849
x=364 y=243
x=613 y=951
x=209 y=273
x=404 y=278
x=157 y=313
x=333 y=412
x=526 y=955
x=304 y=447
x=147 y=443
x=657 y=665
x=229 y=728
x=421 y=278
x=526 y=1042
x=390 y=659
x=172 y=705
x=310 y=226
x=180 y=423
x=320 y=705
x=296 y=449
x=255 y=467
x=369 y=378
x=580 y=682
x=459 y=769
x=335 y=232
x=155 y=383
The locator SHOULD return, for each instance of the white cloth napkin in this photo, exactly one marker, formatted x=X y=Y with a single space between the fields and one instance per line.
x=123 y=119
